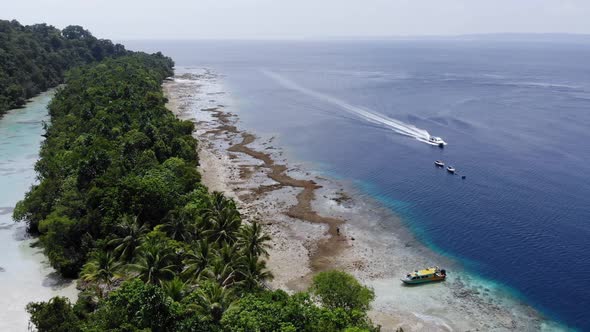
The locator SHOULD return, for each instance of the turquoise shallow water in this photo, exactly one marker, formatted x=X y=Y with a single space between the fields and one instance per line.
x=21 y=132
x=24 y=273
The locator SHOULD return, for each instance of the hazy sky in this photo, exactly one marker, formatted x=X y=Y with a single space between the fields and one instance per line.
x=195 y=19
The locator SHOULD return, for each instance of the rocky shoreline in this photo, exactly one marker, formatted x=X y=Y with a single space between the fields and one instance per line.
x=317 y=224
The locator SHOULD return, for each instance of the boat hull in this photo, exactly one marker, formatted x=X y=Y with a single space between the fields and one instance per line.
x=423 y=281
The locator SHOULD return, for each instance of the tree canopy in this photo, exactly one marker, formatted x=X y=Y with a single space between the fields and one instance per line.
x=112 y=151
x=120 y=205
x=34 y=58
x=337 y=289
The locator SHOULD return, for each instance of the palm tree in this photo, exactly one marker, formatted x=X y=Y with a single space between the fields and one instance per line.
x=194 y=230
x=175 y=289
x=253 y=273
x=197 y=260
x=177 y=226
x=154 y=264
x=253 y=240
x=220 y=202
x=228 y=254
x=224 y=226
x=101 y=269
x=131 y=231
x=213 y=300
x=221 y=272
x=223 y=219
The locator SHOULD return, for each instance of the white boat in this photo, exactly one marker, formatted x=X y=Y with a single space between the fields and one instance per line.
x=439 y=163
x=437 y=141
x=451 y=169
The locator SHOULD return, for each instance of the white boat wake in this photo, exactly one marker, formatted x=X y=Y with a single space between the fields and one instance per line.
x=368 y=115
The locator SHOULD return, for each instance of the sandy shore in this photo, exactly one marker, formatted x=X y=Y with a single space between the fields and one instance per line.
x=25 y=273
x=318 y=224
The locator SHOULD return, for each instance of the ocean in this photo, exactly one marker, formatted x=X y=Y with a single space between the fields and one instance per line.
x=515 y=115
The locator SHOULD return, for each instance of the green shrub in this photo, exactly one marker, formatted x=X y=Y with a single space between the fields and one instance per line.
x=337 y=289
x=55 y=315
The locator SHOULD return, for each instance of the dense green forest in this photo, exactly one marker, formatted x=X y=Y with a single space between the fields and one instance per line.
x=120 y=205
x=34 y=58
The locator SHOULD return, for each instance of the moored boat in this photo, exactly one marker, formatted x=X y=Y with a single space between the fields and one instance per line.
x=426 y=275
x=439 y=163
x=451 y=169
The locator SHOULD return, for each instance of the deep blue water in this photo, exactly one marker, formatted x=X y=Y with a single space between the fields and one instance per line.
x=516 y=117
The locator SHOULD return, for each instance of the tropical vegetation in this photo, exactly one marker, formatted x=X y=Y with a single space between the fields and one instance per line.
x=34 y=58
x=119 y=205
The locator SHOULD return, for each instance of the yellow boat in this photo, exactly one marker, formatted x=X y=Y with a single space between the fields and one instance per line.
x=425 y=275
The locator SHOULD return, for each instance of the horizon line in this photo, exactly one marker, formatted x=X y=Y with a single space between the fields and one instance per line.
x=536 y=36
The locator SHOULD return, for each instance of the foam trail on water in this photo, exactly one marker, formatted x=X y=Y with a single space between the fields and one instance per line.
x=369 y=115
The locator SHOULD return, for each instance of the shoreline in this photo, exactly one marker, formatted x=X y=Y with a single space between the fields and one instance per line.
x=25 y=273
x=332 y=244
x=317 y=224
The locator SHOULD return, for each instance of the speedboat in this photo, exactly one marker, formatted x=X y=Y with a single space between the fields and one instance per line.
x=439 y=163
x=426 y=275
x=437 y=141
x=451 y=169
